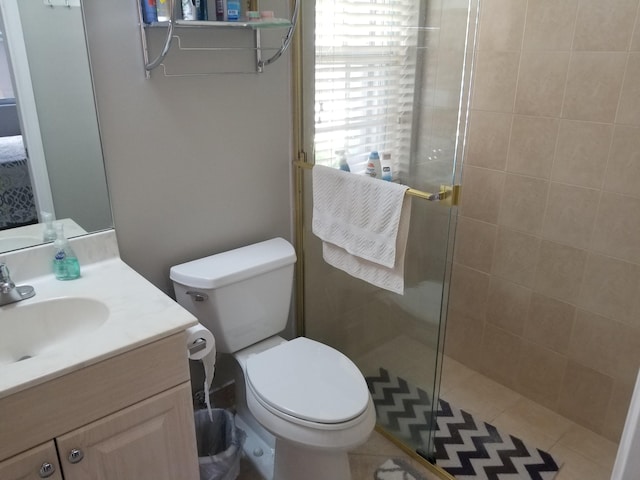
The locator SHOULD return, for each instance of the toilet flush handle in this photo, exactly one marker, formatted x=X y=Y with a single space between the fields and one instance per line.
x=198 y=296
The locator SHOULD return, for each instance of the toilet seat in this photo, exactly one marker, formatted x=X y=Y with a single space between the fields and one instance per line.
x=307 y=382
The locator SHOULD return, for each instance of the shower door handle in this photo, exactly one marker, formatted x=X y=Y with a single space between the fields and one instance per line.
x=448 y=194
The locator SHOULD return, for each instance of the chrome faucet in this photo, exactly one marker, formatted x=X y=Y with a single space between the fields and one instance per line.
x=9 y=293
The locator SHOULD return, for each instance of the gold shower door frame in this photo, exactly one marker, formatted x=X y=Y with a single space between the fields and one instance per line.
x=350 y=315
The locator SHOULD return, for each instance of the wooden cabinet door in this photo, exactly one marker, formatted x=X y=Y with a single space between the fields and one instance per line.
x=152 y=440
x=28 y=465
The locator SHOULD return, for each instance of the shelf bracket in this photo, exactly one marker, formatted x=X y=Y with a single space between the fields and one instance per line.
x=286 y=41
x=150 y=65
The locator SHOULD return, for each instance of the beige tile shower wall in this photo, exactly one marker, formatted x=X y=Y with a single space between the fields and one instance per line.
x=546 y=284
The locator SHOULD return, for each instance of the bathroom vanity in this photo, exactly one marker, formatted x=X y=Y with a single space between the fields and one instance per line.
x=136 y=423
x=110 y=398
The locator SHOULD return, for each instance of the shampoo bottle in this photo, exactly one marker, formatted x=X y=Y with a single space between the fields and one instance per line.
x=201 y=10
x=233 y=10
x=374 y=169
x=65 y=262
x=387 y=173
x=162 y=7
x=188 y=10
x=149 y=12
x=342 y=161
x=221 y=10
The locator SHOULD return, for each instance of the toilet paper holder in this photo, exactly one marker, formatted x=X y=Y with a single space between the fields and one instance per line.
x=198 y=345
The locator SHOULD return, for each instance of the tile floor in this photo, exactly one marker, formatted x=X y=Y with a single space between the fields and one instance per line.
x=584 y=454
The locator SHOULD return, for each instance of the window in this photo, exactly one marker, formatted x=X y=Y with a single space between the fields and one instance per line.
x=365 y=70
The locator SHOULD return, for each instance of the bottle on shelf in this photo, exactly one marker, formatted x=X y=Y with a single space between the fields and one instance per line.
x=221 y=10
x=149 y=11
x=233 y=10
x=374 y=168
x=387 y=172
x=65 y=262
x=342 y=161
x=162 y=8
x=188 y=10
x=201 y=10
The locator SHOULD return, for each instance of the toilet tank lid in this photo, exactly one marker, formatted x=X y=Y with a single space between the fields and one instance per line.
x=225 y=268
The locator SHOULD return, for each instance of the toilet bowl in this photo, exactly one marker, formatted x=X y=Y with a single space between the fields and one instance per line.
x=313 y=400
x=306 y=399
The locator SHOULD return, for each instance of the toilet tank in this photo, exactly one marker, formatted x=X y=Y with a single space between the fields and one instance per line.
x=242 y=295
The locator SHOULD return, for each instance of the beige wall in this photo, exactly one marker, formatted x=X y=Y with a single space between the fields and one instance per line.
x=546 y=283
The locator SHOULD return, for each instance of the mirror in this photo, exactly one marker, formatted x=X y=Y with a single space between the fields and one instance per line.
x=63 y=173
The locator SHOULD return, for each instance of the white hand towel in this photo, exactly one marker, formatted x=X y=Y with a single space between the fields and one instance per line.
x=364 y=225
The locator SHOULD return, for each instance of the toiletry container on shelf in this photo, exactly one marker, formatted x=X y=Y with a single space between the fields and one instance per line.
x=188 y=10
x=149 y=11
x=342 y=161
x=374 y=168
x=387 y=167
x=202 y=12
x=162 y=7
x=233 y=10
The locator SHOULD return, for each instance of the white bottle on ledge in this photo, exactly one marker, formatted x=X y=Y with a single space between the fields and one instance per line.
x=374 y=168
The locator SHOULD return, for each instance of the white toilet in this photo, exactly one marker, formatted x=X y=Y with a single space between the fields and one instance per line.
x=311 y=398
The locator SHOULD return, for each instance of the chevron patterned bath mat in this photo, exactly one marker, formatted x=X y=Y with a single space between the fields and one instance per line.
x=465 y=447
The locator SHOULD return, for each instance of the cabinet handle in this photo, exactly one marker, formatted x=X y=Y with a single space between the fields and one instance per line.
x=75 y=455
x=46 y=470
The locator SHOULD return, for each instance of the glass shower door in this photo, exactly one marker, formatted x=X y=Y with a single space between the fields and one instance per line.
x=393 y=78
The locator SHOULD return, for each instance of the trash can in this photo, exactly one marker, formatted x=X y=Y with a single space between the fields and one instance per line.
x=219 y=444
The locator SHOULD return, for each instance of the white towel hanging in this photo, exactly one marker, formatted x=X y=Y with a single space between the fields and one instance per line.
x=364 y=225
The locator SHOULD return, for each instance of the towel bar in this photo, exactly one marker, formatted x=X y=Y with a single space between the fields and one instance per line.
x=450 y=194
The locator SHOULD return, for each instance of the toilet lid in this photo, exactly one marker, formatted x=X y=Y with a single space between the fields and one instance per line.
x=308 y=380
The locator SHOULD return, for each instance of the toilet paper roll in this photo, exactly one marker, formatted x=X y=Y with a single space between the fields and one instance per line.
x=207 y=355
x=194 y=335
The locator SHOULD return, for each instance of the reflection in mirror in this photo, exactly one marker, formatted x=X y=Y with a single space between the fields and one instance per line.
x=50 y=151
x=31 y=235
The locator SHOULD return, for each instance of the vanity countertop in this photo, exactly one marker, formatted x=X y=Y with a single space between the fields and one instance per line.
x=139 y=313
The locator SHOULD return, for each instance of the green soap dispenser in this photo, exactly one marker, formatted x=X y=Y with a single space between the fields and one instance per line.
x=65 y=262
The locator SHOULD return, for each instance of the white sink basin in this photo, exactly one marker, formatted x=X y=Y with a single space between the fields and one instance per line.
x=67 y=326
x=31 y=329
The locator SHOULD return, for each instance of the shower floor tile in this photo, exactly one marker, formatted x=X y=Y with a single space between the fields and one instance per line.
x=584 y=455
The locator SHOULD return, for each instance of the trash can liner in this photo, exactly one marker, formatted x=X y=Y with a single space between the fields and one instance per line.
x=219 y=445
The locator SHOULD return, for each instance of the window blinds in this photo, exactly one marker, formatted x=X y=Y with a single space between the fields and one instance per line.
x=365 y=70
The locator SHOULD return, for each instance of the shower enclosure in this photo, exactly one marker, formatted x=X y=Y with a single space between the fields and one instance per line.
x=391 y=76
